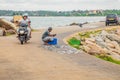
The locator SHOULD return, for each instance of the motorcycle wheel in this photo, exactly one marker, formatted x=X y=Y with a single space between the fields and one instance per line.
x=22 y=42
x=25 y=41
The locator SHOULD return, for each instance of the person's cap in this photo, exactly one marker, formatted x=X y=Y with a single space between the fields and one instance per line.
x=50 y=28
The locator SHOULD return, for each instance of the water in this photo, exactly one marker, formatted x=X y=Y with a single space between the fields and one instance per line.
x=42 y=22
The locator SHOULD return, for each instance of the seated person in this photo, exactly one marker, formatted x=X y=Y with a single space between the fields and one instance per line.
x=47 y=37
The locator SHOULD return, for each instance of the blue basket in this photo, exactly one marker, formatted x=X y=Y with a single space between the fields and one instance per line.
x=54 y=42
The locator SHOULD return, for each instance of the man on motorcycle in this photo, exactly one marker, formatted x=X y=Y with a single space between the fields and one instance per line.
x=25 y=22
x=47 y=36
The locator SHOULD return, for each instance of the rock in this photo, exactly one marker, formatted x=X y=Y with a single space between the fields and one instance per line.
x=77 y=37
x=103 y=32
x=90 y=39
x=74 y=24
x=116 y=45
x=114 y=51
x=118 y=31
x=115 y=56
x=86 y=48
x=114 y=37
x=110 y=45
x=7 y=25
x=99 y=39
x=102 y=44
x=81 y=25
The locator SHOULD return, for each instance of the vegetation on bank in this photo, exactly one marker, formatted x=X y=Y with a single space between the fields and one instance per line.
x=60 y=13
x=77 y=42
x=108 y=58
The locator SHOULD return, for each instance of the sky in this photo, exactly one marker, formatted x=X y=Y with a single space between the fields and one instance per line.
x=58 y=5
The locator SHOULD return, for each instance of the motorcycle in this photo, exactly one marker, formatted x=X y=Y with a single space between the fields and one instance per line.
x=23 y=35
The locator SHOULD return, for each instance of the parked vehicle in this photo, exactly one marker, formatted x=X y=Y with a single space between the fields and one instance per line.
x=23 y=35
x=112 y=19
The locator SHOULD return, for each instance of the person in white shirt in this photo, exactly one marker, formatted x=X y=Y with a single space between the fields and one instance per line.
x=25 y=22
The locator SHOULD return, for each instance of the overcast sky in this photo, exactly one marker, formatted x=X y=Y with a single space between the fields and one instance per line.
x=58 y=5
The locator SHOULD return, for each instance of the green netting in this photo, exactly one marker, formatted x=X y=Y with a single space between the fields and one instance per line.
x=74 y=41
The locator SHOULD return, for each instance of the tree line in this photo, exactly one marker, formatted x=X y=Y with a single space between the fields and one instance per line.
x=60 y=13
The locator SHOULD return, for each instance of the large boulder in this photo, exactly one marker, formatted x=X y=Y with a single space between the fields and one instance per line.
x=114 y=37
x=7 y=25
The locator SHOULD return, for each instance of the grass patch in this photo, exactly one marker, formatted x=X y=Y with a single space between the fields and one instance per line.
x=87 y=34
x=74 y=42
x=108 y=58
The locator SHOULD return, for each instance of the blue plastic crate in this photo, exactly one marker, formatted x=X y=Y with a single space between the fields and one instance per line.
x=54 y=42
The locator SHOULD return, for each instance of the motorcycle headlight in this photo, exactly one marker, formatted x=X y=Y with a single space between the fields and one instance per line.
x=22 y=32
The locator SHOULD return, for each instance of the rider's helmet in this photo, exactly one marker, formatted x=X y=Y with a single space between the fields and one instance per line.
x=50 y=28
x=25 y=15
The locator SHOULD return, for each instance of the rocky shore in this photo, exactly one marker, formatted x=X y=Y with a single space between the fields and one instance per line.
x=104 y=42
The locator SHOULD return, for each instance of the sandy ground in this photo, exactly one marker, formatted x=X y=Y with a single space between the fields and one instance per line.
x=31 y=62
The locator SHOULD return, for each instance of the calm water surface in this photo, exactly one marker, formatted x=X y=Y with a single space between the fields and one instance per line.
x=42 y=22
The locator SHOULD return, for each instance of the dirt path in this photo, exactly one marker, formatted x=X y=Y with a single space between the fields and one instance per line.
x=32 y=62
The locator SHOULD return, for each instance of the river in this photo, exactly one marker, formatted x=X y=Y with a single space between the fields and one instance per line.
x=42 y=22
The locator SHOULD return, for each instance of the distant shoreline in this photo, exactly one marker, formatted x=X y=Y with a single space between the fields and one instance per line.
x=97 y=12
x=58 y=16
